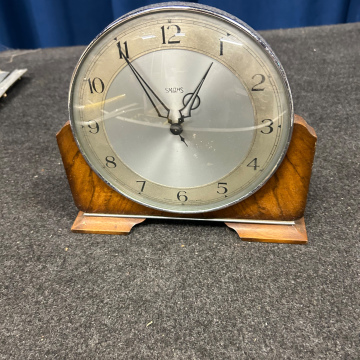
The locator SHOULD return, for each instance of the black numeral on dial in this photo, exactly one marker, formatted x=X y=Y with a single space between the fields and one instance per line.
x=269 y=127
x=143 y=184
x=178 y=31
x=123 y=50
x=181 y=196
x=222 y=188
x=253 y=164
x=110 y=162
x=222 y=45
x=257 y=86
x=96 y=85
x=93 y=126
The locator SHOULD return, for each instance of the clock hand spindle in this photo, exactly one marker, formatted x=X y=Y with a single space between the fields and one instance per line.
x=186 y=110
x=161 y=109
x=176 y=129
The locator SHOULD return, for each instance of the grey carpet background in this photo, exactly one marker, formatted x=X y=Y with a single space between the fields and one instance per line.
x=180 y=290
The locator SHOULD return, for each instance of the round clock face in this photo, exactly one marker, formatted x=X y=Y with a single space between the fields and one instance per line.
x=181 y=108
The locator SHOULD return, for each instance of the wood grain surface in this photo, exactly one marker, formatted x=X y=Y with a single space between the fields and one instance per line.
x=286 y=234
x=104 y=225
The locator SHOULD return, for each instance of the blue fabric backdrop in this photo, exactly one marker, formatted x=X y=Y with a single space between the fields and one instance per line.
x=45 y=23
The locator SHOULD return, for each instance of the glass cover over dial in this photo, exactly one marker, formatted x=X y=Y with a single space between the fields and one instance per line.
x=181 y=108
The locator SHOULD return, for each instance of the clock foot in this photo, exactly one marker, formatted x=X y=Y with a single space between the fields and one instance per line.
x=286 y=234
x=93 y=224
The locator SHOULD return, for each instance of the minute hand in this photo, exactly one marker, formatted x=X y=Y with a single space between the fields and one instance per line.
x=161 y=109
x=186 y=110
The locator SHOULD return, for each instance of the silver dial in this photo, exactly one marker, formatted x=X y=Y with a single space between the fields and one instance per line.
x=181 y=108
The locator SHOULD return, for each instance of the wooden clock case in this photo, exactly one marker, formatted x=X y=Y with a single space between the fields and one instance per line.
x=275 y=213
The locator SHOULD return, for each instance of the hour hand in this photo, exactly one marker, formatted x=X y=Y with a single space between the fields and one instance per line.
x=186 y=110
x=161 y=109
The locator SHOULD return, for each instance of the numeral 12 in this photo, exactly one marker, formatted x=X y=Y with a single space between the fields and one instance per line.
x=178 y=31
